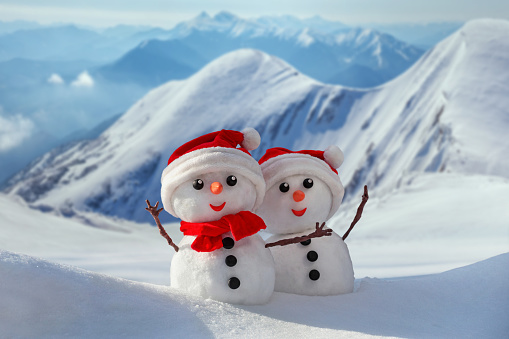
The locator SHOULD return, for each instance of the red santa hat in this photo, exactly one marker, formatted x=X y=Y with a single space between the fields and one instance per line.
x=225 y=150
x=280 y=163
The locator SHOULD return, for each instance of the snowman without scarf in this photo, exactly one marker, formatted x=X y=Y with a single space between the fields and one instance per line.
x=303 y=188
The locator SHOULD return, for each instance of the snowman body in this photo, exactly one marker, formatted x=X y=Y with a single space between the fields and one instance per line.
x=319 y=266
x=298 y=197
x=242 y=272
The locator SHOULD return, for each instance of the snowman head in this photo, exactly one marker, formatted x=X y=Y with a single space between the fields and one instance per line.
x=209 y=177
x=212 y=195
x=302 y=188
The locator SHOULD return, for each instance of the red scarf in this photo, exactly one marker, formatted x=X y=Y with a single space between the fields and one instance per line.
x=208 y=234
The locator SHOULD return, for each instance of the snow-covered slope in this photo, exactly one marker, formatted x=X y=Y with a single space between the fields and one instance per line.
x=448 y=113
x=90 y=241
x=438 y=222
x=40 y=299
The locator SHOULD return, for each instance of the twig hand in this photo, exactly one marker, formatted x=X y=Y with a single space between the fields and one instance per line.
x=317 y=233
x=358 y=215
x=155 y=214
x=320 y=232
x=153 y=209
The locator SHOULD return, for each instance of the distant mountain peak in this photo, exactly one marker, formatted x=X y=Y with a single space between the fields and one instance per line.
x=225 y=16
x=304 y=38
x=203 y=15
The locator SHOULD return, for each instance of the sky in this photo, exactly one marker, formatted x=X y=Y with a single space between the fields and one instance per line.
x=167 y=13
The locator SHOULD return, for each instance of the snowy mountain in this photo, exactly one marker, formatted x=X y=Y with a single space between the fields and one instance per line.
x=154 y=62
x=448 y=113
x=315 y=23
x=41 y=66
x=45 y=299
x=326 y=51
x=424 y=35
x=226 y=22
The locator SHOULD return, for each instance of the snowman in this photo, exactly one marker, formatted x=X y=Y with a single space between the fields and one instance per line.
x=304 y=188
x=213 y=184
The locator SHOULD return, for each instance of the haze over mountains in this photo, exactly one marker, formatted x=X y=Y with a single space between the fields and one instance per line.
x=64 y=80
x=448 y=113
x=329 y=52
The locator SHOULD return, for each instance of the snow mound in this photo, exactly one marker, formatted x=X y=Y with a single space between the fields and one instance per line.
x=44 y=299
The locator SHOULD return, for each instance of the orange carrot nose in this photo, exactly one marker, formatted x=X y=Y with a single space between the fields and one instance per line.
x=298 y=195
x=216 y=187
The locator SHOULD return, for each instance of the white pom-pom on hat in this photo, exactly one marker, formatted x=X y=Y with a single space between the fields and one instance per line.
x=251 y=139
x=333 y=156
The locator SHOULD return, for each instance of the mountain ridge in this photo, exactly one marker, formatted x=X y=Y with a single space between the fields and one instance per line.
x=324 y=54
x=424 y=121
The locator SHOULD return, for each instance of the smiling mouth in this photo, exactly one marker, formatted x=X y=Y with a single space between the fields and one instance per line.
x=218 y=208
x=299 y=213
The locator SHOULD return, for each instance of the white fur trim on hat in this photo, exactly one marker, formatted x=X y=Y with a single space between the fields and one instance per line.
x=334 y=156
x=251 y=139
x=207 y=160
x=276 y=169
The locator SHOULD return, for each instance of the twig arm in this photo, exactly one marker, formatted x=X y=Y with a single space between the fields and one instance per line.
x=358 y=215
x=319 y=232
x=155 y=214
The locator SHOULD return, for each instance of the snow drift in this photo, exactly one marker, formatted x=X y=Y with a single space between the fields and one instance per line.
x=44 y=299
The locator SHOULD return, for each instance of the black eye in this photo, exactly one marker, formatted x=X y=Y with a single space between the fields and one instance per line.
x=308 y=183
x=198 y=184
x=231 y=180
x=284 y=187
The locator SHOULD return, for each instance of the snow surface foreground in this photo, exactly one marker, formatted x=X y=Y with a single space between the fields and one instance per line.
x=41 y=299
x=90 y=241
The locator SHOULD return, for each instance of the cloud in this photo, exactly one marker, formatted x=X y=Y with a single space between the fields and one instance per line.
x=13 y=131
x=83 y=80
x=55 y=79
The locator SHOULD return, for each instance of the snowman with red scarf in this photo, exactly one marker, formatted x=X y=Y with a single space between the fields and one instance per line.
x=303 y=188
x=212 y=184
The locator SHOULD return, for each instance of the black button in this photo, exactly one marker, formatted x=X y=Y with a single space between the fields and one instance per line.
x=228 y=243
x=234 y=283
x=306 y=242
x=230 y=261
x=314 y=275
x=312 y=256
